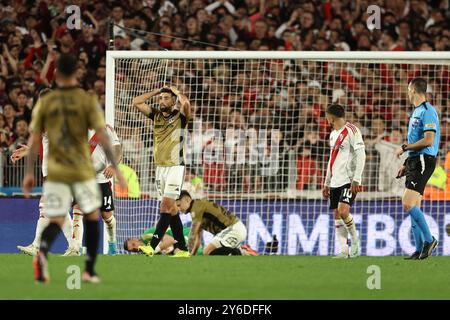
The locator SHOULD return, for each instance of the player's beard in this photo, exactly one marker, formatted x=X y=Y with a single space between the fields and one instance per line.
x=166 y=109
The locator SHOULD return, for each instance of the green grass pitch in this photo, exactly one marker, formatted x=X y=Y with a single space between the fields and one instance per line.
x=263 y=277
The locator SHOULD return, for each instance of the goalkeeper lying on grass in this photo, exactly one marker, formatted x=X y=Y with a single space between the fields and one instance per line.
x=166 y=244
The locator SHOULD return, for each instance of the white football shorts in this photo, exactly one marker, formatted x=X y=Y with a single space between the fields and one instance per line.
x=169 y=181
x=58 y=197
x=230 y=237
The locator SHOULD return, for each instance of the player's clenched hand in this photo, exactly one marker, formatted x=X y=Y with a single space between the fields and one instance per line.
x=19 y=153
x=109 y=172
x=356 y=187
x=401 y=172
x=326 y=192
x=27 y=184
x=399 y=152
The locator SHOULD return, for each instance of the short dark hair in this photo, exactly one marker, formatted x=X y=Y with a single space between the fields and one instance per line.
x=336 y=110
x=17 y=120
x=67 y=65
x=184 y=193
x=420 y=85
x=125 y=244
x=117 y=4
x=392 y=34
x=167 y=90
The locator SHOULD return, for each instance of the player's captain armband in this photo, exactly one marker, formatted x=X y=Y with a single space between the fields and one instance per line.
x=430 y=126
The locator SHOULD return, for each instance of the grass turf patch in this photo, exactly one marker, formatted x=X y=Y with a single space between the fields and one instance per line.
x=242 y=277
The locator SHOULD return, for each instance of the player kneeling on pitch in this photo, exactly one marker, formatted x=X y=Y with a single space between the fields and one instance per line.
x=229 y=232
x=167 y=243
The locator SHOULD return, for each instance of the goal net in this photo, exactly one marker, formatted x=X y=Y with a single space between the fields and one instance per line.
x=257 y=142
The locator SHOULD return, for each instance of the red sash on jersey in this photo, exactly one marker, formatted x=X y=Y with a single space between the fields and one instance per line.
x=41 y=151
x=93 y=142
x=336 y=148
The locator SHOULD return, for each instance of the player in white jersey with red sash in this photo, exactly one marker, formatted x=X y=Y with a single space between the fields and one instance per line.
x=104 y=176
x=343 y=180
x=43 y=221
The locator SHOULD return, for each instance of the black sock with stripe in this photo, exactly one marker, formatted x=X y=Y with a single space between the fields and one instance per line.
x=161 y=228
x=177 y=230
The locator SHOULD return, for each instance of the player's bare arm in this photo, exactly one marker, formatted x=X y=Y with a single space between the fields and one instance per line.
x=139 y=102
x=194 y=238
x=33 y=144
x=19 y=153
x=184 y=102
x=426 y=141
x=106 y=144
x=118 y=154
x=326 y=187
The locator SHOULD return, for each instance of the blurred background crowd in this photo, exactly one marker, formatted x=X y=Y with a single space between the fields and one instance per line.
x=287 y=98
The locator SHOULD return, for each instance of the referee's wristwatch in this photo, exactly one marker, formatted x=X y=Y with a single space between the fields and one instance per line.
x=405 y=147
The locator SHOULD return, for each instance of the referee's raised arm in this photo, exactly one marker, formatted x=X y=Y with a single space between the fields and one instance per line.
x=139 y=102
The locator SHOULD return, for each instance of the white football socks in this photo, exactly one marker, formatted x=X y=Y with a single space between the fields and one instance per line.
x=111 y=228
x=78 y=228
x=351 y=227
x=342 y=234
x=67 y=229
x=42 y=223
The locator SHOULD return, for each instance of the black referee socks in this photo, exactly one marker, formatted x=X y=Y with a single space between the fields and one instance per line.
x=161 y=227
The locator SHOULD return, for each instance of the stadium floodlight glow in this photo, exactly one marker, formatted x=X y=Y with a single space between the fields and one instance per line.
x=258 y=140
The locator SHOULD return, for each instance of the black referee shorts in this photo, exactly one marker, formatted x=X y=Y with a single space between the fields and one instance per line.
x=418 y=170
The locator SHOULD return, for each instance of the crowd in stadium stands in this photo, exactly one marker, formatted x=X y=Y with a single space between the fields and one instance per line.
x=34 y=33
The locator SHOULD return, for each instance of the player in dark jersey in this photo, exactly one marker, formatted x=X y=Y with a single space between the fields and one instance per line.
x=229 y=232
x=169 y=126
x=66 y=114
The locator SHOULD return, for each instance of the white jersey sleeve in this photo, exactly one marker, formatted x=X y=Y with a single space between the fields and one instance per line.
x=355 y=137
x=358 y=155
x=113 y=138
x=98 y=155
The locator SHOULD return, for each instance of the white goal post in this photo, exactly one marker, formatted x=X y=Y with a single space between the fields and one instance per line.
x=257 y=141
